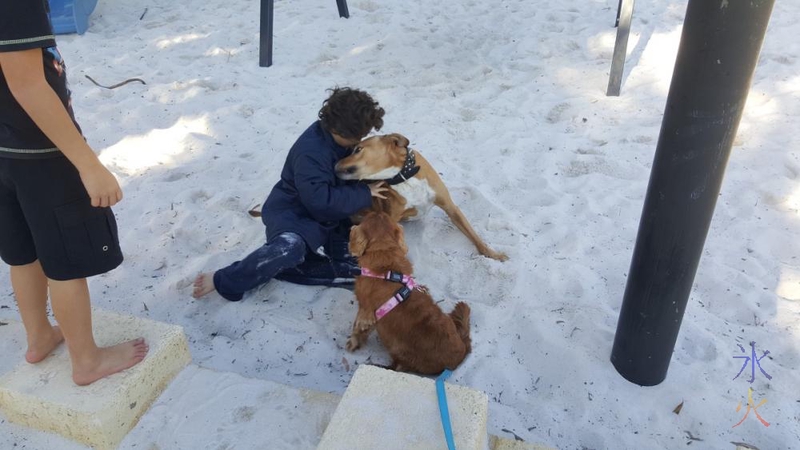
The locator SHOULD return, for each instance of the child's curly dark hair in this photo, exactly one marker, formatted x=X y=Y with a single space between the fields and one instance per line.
x=350 y=113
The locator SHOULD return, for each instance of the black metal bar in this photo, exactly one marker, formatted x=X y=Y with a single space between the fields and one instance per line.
x=619 y=9
x=620 y=48
x=265 y=38
x=716 y=59
x=343 y=11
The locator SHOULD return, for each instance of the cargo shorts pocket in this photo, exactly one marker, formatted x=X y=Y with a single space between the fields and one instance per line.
x=89 y=234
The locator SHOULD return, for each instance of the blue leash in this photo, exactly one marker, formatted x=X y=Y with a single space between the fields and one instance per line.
x=445 y=413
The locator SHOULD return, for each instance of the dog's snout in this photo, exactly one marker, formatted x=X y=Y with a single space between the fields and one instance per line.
x=344 y=170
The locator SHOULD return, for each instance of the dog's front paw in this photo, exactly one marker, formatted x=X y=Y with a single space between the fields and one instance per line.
x=364 y=324
x=353 y=344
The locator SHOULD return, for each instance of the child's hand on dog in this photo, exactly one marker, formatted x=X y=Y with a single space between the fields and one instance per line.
x=378 y=188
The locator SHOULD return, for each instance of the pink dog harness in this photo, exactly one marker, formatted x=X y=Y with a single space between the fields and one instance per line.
x=400 y=296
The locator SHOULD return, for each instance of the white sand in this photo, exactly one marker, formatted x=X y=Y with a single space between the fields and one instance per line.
x=507 y=100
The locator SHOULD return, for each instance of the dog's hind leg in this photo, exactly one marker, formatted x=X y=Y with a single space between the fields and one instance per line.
x=397 y=366
x=460 y=315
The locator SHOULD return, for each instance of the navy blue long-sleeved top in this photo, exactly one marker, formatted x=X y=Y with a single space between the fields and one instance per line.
x=309 y=199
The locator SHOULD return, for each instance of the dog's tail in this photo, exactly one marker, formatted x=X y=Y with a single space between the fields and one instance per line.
x=460 y=316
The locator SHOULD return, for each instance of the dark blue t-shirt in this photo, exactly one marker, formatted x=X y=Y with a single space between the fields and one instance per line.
x=24 y=25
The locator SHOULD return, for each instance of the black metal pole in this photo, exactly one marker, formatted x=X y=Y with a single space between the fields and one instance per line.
x=717 y=56
x=265 y=33
x=619 y=10
x=343 y=11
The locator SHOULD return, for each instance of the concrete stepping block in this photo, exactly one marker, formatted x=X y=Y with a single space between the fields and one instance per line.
x=387 y=410
x=43 y=395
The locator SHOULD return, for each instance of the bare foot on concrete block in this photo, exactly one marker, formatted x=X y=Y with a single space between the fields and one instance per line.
x=203 y=284
x=110 y=360
x=40 y=346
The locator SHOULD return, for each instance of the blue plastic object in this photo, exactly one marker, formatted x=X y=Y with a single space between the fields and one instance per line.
x=71 y=16
x=444 y=412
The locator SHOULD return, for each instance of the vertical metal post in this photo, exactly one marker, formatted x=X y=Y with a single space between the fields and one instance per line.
x=265 y=38
x=620 y=47
x=343 y=11
x=619 y=10
x=716 y=59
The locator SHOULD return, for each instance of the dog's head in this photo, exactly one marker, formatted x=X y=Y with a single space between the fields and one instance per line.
x=376 y=158
x=376 y=232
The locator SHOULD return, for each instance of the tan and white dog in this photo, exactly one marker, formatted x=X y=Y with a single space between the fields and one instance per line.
x=414 y=185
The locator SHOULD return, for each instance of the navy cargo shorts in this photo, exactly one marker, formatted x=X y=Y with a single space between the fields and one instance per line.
x=46 y=215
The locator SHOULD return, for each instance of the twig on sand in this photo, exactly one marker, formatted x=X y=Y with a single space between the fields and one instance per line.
x=691 y=437
x=516 y=437
x=114 y=86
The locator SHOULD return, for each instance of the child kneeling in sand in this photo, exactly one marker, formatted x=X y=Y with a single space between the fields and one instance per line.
x=307 y=213
x=56 y=224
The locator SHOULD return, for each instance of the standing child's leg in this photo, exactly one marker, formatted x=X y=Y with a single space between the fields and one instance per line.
x=30 y=289
x=49 y=231
x=89 y=362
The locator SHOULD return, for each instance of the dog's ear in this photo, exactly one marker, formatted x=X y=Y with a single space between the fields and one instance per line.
x=399 y=140
x=399 y=236
x=358 y=241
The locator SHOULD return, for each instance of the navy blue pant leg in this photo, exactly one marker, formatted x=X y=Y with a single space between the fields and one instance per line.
x=320 y=271
x=335 y=269
x=286 y=251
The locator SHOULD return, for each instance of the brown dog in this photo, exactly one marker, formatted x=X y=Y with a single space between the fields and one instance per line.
x=415 y=185
x=418 y=335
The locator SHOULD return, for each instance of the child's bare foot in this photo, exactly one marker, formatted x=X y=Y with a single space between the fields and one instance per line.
x=110 y=360
x=203 y=284
x=43 y=344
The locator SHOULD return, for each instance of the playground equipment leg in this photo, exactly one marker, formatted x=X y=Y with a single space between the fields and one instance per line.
x=343 y=11
x=265 y=40
x=716 y=59
x=620 y=47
